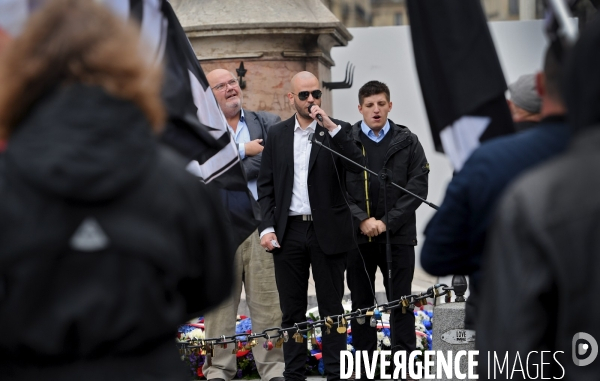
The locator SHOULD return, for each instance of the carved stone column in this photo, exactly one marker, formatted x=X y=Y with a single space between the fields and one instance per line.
x=274 y=38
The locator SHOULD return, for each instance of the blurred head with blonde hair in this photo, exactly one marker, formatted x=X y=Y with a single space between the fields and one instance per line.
x=75 y=41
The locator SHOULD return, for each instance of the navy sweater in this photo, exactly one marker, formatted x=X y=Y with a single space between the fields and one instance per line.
x=455 y=236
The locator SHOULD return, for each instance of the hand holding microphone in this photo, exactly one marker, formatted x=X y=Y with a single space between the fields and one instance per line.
x=317 y=113
x=318 y=116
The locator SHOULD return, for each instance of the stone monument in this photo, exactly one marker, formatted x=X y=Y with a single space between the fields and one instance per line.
x=273 y=38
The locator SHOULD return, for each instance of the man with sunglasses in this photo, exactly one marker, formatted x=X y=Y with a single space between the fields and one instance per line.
x=306 y=220
x=252 y=266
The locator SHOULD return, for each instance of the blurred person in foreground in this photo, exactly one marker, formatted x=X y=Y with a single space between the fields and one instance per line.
x=105 y=237
x=541 y=273
x=5 y=38
x=525 y=102
x=456 y=235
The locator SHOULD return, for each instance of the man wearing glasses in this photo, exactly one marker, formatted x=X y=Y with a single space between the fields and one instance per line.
x=306 y=220
x=252 y=265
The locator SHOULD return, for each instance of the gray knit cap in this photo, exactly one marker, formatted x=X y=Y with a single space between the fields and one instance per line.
x=523 y=93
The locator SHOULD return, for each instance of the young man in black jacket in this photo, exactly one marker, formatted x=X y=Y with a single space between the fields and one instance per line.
x=393 y=147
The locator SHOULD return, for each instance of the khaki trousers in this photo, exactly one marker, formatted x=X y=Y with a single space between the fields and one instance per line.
x=254 y=268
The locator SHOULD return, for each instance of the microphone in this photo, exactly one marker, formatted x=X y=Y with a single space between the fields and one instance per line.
x=310 y=136
x=319 y=117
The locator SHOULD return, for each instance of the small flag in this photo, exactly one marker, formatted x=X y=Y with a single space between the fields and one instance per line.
x=196 y=127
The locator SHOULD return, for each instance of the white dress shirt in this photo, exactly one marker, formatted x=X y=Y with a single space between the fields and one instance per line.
x=300 y=203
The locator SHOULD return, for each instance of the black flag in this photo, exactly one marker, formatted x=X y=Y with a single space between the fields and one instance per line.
x=460 y=75
x=196 y=127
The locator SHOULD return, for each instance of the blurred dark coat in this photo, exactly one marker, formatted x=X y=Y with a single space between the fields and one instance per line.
x=542 y=263
x=456 y=235
x=107 y=244
x=541 y=268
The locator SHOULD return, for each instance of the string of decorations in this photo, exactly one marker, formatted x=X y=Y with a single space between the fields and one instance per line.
x=245 y=341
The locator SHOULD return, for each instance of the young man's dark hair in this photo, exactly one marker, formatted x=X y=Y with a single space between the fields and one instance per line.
x=372 y=88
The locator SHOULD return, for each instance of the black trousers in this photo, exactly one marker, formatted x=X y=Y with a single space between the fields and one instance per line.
x=300 y=250
x=364 y=337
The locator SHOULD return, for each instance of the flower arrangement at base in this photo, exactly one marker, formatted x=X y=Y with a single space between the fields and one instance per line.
x=423 y=333
x=193 y=331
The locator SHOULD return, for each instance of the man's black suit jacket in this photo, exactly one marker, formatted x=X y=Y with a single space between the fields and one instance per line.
x=326 y=184
x=258 y=123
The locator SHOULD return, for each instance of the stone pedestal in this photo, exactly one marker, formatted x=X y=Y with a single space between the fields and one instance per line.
x=449 y=333
x=274 y=38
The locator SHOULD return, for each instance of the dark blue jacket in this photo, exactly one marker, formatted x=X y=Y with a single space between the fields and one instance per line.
x=455 y=236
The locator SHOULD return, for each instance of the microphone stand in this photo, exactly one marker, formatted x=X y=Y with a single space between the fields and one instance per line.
x=381 y=175
x=385 y=178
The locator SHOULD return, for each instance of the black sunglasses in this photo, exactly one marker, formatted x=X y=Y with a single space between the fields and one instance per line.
x=303 y=95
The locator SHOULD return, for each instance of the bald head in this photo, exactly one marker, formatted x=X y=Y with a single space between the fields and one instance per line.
x=303 y=79
x=306 y=83
x=227 y=91
x=214 y=76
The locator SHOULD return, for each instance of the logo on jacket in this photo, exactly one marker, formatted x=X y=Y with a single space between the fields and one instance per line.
x=89 y=236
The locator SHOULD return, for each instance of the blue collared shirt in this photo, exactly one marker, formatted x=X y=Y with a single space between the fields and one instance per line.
x=371 y=135
x=241 y=135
